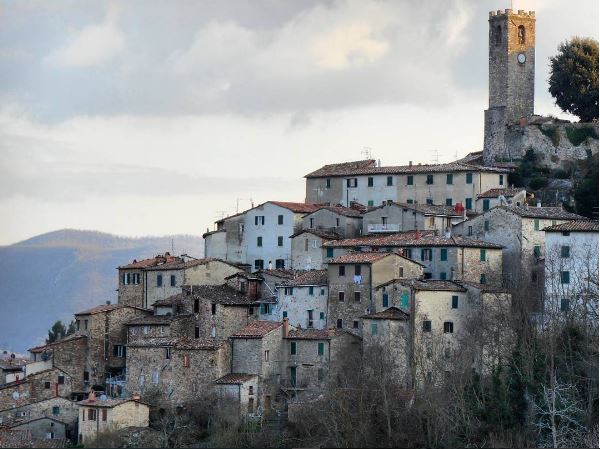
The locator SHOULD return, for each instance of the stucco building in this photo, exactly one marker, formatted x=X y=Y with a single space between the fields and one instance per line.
x=307 y=253
x=396 y=217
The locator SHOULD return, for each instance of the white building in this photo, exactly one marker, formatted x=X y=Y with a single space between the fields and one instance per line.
x=571 y=268
x=516 y=196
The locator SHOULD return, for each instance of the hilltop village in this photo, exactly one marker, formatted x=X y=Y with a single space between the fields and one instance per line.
x=406 y=262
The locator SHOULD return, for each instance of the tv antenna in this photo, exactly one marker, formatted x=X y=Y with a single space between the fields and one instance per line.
x=237 y=203
x=221 y=214
x=366 y=152
x=436 y=156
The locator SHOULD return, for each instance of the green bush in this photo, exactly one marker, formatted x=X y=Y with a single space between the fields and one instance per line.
x=560 y=174
x=538 y=182
x=551 y=133
x=579 y=135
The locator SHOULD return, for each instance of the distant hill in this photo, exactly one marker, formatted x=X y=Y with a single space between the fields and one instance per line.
x=51 y=276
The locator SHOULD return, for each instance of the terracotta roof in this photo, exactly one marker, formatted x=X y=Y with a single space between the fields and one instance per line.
x=108 y=308
x=574 y=226
x=20 y=421
x=213 y=232
x=186 y=343
x=235 y=378
x=169 y=301
x=310 y=334
x=507 y=192
x=155 y=342
x=278 y=272
x=231 y=216
x=348 y=169
x=110 y=402
x=433 y=285
x=409 y=239
x=257 y=329
x=222 y=294
x=147 y=263
x=425 y=209
x=312 y=277
x=183 y=265
x=24 y=438
x=68 y=338
x=391 y=313
x=341 y=210
x=484 y=288
x=557 y=213
x=325 y=235
x=298 y=208
x=155 y=320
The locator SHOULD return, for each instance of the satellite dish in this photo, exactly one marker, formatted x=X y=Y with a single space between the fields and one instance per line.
x=15 y=395
x=12 y=356
x=103 y=397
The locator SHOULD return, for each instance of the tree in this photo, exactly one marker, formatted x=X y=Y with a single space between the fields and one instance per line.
x=574 y=78
x=56 y=332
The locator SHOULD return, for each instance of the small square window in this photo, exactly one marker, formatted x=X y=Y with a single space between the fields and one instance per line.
x=355 y=324
x=390 y=180
x=565 y=277
x=429 y=179
x=46 y=385
x=448 y=201
x=339 y=323
x=369 y=181
x=341 y=296
x=342 y=270
x=427 y=326
x=357 y=296
x=409 y=180
x=449 y=178
x=565 y=251
x=329 y=252
x=448 y=327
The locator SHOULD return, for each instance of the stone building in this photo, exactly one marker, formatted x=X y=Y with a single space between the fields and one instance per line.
x=227 y=240
x=303 y=300
x=179 y=368
x=306 y=248
x=240 y=389
x=44 y=428
x=571 y=270
x=446 y=257
x=352 y=278
x=57 y=407
x=387 y=342
x=42 y=385
x=396 y=217
x=11 y=368
x=371 y=185
x=520 y=231
x=108 y=415
x=343 y=221
x=159 y=326
x=511 y=196
x=104 y=327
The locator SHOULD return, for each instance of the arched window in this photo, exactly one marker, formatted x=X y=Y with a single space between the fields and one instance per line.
x=498 y=35
x=521 y=34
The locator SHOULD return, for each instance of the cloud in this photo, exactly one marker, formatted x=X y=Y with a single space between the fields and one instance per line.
x=94 y=45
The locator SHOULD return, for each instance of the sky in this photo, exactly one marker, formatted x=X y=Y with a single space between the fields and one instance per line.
x=146 y=117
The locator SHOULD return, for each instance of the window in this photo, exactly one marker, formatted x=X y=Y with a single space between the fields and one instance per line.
x=167 y=353
x=315 y=244
x=78 y=324
x=443 y=254
x=341 y=296
x=279 y=264
x=426 y=254
x=370 y=203
x=486 y=225
x=342 y=270
x=429 y=201
x=469 y=178
x=566 y=233
x=329 y=252
x=468 y=203
x=501 y=180
x=159 y=280
x=355 y=324
x=537 y=251
x=259 y=220
x=321 y=315
x=279 y=241
x=91 y=414
x=455 y=302
x=357 y=270
x=213 y=309
x=482 y=255
x=61 y=379
x=156 y=376
x=285 y=314
x=288 y=291
x=357 y=296
x=320 y=348
x=449 y=178
x=196 y=305
x=390 y=180
x=328 y=183
x=311 y=291
x=259 y=264
x=339 y=323
x=409 y=180
x=521 y=34
x=482 y=278
x=536 y=224
x=565 y=277
x=293 y=348
x=251 y=405
x=470 y=230
x=448 y=327
x=118 y=351
x=250 y=310
x=448 y=201
x=258 y=241
x=426 y=326
x=370 y=181
x=266 y=356
x=56 y=410
x=86 y=376
x=443 y=275
x=196 y=332
x=136 y=278
x=385 y=300
x=250 y=390
x=351 y=182
x=172 y=280
x=279 y=219
x=104 y=414
x=407 y=252
x=404 y=299
x=429 y=179
x=186 y=361
x=565 y=251
x=486 y=205
x=400 y=272
x=373 y=328
x=265 y=309
x=564 y=304
x=46 y=385
x=409 y=201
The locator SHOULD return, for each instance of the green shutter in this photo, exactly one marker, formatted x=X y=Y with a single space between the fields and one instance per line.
x=373 y=328
x=321 y=348
x=293 y=348
x=482 y=255
x=404 y=299
x=444 y=254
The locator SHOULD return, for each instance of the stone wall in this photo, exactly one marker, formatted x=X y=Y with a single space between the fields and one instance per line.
x=42 y=427
x=37 y=387
x=131 y=294
x=299 y=302
x=67 y=410
x=127 y=414
x=326 y=219
x=211 y=273
x=349 y=310
x=306 y=252
x=389 y=342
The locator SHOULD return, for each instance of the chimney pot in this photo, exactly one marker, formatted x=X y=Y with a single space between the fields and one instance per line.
x=286 y=327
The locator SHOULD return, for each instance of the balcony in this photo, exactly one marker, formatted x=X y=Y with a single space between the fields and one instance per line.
x=382 y=228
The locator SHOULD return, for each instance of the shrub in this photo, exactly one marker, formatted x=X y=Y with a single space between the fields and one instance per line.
x=538 y=182
x=551 y=133
x=561 y=174
x=579 y=135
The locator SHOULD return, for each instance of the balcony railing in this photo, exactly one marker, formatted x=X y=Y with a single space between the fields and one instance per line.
x=374 y=228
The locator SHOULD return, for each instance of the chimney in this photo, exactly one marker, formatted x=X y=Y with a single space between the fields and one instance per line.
x=539 y=203
x=108 y=302
x=286 y=327
x=92 y=396
x=270 y=265
x=136 y=397
x=410 y=163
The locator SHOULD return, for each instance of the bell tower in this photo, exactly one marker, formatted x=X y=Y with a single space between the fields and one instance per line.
x=511 y=76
